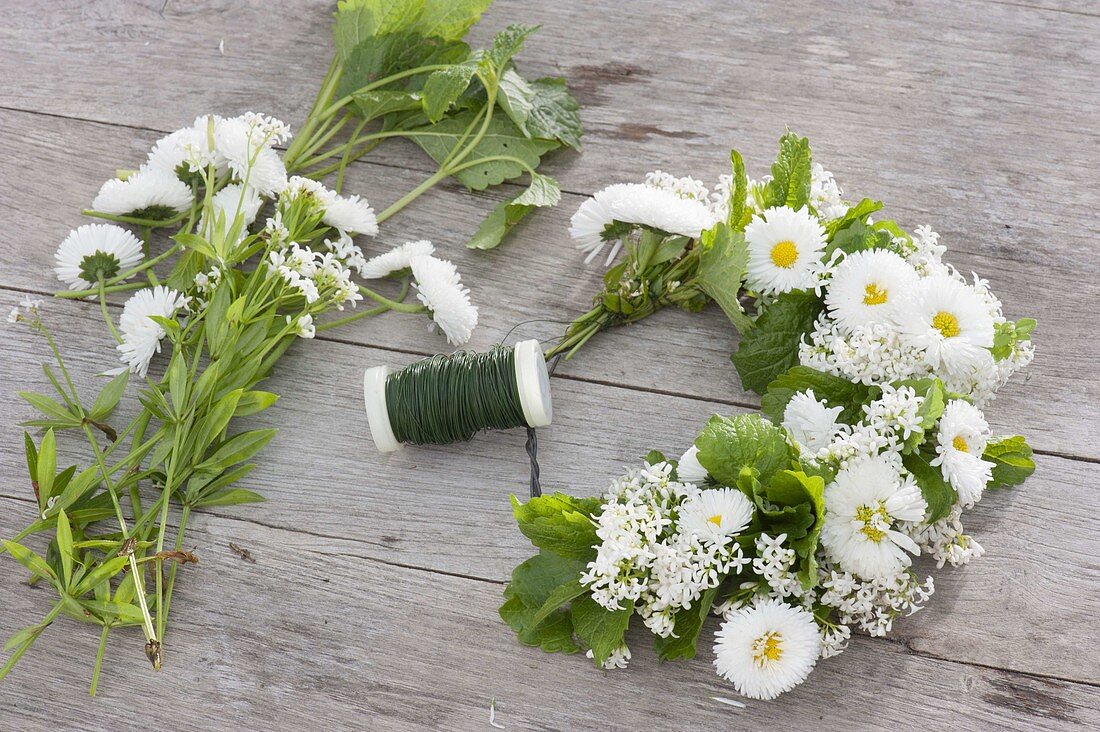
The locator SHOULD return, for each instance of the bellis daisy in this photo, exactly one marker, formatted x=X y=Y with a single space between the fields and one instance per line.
x=862 y=506
x=141 y=335
x=715 y=513
x=147 y=194
x=186 y=149
x=689 y=469
x=245 y=143
x=811 y=422
x=949 y=321
x=961 y=441
x=440 y=289
x=395 y=259
x=234 y=200
x=868 y=287
x=351 y=215
x=96 y=251
x=784 y=250
x=767 y=648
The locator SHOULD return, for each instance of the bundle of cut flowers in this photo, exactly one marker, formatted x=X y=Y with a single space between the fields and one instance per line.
x=874 y=359
x=258 y=253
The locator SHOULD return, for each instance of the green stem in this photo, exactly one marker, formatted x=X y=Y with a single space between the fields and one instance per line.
x=365 y=313
x=76 y=294
x=106 y=315
x=401 y=307
x=151 y=223
x=175 y=565
x=99 y=659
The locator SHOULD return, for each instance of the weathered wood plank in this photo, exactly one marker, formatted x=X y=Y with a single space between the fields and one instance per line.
x=445 y=509
x=312 y=636
x=539 y=277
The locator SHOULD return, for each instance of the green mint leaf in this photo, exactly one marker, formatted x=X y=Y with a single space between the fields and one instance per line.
x=541 y=108
x=938 y=493
x=502 y=139
x=857 y=236
x=449 y=19
x=378 y=57
x=729 y=444
x=506 y=44
x=857 y=213
x=559 y=523
x=1006 y=335
x=543 y=191
x=790 y=489
x=836 y=391
x=722 y=264
x=791 y=173
x=771 y=348
x=444 y=87
x=534 y=587
x=379 y=103
x=1012 y=460
x=601 y=629
x=687 y=624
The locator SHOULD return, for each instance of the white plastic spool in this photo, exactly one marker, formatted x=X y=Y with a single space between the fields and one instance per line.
x=532 y=382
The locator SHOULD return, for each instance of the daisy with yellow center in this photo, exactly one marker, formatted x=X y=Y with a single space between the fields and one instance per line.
x=767 y=648
x=868 y=287
x=962 y=437
x=950 y=321
x=863 y=504
x=784 y=250
x=715 y=514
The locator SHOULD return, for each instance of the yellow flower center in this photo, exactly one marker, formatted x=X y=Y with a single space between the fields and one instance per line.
x=784 y=254
x=767 y=647
x=946 y=323
x=960 y=444
x=716 y=519
x=871 y=527
x=874 y=295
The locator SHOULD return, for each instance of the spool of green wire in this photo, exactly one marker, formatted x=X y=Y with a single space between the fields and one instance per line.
x=450 y=398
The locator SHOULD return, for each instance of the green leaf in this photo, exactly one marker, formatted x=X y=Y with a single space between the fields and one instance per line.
x=51 y=408
x=127 y=613
x=502 y=138
x=857 y=213
x=1012 y=460
x=237 y=449
x=231 y=497
x=791 y=173
x=601 y=629
x=559 y=523
x=109 y=396
x=857 y=236
x=358 y=20
x=30 y=560
x=790 y=489
x=836 y=391
x=107 y=569
x=729 y=444
x=375 y=58
x=931 y=409
x=541 y=108
x=196 y=243
x=378 y=103
x=31 y=452
x=687 y=624
x=771 y=348
x=533 y=584
x=553 y=635
x=252 y=402
x=560 y=595
x=738 y=215
x=65 y=546
x=543 y=191
x=722 y=270
x=449 y=19
x=937 y=492
x=444 y=87
x=47 y=465
x=1006 y=335
x=507 y=44
x=218 y=418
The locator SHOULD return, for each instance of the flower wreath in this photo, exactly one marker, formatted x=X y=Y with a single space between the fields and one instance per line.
x=873 y=358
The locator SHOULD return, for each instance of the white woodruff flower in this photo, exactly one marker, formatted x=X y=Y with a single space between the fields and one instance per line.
x=96 y=251
x=396 y=259
x=619 y=658
x=715 y=513
x=960 y=443
x=784 y=250
x=440 y=289
x=868 y=287
x=141 y=335
x=949 y=321
x=862 y=506
x=811 y=421
x=825 y=195
x=147 y=194
x=689 y=469
x=767 y=649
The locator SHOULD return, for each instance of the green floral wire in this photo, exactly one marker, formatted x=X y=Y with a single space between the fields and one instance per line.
x=450 y=398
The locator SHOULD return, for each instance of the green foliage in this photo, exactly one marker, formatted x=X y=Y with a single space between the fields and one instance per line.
x=856 y=214
x=794 y=503
x=771 y=348
x=728 y=445
x=534 y=599
x=687 y=625
x=559 y=523
x=739 y=214
x=601 y=629
x=1012 y=460
x=542 y=191
x=858 y=236
x=722 y=264
x=542 y=108
x=836 y=391
x=936 y=491
x=935 y=399
x=1006 y=335
x=791 y=174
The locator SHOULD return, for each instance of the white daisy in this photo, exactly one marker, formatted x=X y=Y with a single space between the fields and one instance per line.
x=231 y=201
x=351 y=215
x=767 y=648
x=715 y=513
x=868 y=287
x=147 y=194
x=689 y=469
x=395 y=260
x=141 y=334
x=811 y=422
x=594 y=215
x=245 y=143
x=784 y=250
x=862 y=505
x=93 y=251
x=440 y=288
x=949 y=321
x=961 y=441
x=186 y=149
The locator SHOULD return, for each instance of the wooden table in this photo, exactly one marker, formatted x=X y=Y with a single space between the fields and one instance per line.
x=371 y=599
